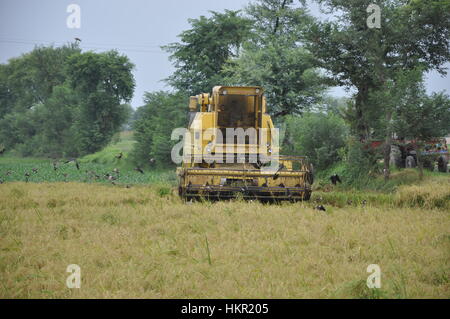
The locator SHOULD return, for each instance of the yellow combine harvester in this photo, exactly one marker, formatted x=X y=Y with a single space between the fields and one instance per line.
x=231 y=150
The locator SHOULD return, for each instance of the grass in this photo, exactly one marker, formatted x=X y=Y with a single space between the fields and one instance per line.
x=13 y=168
x=377 y=184
x=143 y=242
x=121 y=143
x=137 y=239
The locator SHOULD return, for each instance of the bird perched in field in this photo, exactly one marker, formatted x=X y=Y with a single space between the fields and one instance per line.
x=320 y=207
x=119 y=156
x=364 y=202
x=27 y=176
x=77 y=164
x=35 y=170
x=349 y=202
x=152 y=160
x=111 y=178
x=55 y=165
x=116 y=171
x=335 y=179
x=128 y=186
x=138 y=169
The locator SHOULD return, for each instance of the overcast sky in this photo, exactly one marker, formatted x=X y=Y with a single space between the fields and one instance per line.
x=136 y=28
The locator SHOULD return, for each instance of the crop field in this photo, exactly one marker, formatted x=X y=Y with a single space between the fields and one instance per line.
x=144 y=242
x=42 y=170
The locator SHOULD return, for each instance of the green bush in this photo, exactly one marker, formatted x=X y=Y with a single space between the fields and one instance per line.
x=318 y=136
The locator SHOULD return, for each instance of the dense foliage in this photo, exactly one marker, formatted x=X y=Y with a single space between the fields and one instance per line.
x=162 y=112
x=318 y=136
x=60 y=102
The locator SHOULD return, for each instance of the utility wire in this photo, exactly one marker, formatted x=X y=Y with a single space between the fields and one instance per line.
x=87 y=45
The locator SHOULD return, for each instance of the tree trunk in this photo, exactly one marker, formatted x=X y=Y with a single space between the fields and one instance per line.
x=360 y=102
x=387 y=147
x=419 y=160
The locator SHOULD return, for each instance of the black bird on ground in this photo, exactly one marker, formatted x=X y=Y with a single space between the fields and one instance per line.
x=119 y=156
x=321 y=208
x=27 y=176
x=335 y=179
x=138 y=169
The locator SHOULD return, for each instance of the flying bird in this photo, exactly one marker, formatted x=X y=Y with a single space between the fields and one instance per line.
x=78 y=39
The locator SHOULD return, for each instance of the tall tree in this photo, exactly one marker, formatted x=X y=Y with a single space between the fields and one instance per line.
x=103 y=82
x=412 y=34
x=204 y=49
x=61 y=102
x=275 y=58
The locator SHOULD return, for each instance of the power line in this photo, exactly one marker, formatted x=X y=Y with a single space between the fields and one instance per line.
x=89 y=45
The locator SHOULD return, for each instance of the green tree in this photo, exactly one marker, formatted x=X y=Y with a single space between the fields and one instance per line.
x=162 y=112
x=275 y=58
x=61 y=102
x=421 y=117
x=103 y=81
x=204 y=49
x=412 y=34
x=318 y=136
